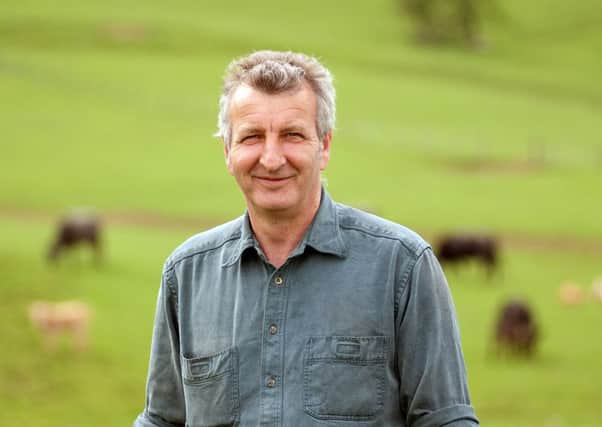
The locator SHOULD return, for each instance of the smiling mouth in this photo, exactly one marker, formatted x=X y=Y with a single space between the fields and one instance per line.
x=272 y=179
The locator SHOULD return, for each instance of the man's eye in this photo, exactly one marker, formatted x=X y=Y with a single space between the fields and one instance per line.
x=294 y=135
x=249 y=139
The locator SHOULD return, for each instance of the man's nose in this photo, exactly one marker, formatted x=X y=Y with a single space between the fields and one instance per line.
x=272 y=156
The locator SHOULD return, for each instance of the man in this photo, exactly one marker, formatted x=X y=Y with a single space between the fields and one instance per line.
x=302 y=312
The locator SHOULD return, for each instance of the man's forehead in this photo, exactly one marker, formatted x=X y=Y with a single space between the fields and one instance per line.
x=249 y=124
x=251 y=107
x=245 y=95
x=247 y=88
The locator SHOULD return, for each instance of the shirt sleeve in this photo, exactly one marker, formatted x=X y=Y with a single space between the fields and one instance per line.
x=165 y=405
x=433 y=384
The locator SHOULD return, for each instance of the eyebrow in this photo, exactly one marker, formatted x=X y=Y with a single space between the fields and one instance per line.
x=294 y=128
x=249 y=129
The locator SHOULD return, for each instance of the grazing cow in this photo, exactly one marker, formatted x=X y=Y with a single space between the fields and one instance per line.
x=571 y=294
x=515 y=330
x=74 y=229
x=457 y=248
x=53 y=319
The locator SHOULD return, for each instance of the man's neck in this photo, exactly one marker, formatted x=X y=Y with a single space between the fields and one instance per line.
x=279 y=234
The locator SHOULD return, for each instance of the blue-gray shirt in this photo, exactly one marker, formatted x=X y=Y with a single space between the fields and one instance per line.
x=356 y=329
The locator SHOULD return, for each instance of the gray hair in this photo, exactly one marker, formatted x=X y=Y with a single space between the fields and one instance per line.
x=276 y=72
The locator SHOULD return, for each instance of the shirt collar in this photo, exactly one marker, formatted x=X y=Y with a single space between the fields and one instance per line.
x=246 y=240
x=323 y=234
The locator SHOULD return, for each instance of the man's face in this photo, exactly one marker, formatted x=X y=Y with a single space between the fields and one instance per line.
x=275 y=154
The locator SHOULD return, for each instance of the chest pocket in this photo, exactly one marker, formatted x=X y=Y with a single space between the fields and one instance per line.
x=211 y=389
x=344 y=377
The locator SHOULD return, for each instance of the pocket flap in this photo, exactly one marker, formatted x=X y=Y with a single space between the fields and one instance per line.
x=203 y=367
x=347 y=348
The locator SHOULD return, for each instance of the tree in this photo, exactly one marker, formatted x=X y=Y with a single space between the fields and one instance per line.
x=438 y=21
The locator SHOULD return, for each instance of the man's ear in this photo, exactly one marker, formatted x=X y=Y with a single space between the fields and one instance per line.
x=325 y=151
x=227 y=156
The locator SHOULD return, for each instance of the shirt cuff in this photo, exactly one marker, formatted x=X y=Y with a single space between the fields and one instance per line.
x=146 y=420
x=452 y=416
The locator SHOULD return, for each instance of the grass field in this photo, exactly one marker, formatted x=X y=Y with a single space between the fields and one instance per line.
x=113 y=104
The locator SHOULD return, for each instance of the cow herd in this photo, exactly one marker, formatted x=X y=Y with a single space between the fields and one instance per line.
x=72 y=318
x=515 y=330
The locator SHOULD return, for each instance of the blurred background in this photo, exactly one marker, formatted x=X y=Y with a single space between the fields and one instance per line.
x=455 y=117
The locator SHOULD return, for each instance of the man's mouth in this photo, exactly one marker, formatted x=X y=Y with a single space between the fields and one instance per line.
x=272 y=179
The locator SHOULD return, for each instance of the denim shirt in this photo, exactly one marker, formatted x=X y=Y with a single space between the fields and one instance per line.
x=356 y=329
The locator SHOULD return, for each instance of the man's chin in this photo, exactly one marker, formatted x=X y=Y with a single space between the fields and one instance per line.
x=274 y=205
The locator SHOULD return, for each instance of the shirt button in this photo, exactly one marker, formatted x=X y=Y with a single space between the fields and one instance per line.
x=278 y=280
x=273 y=329
x=271 y=382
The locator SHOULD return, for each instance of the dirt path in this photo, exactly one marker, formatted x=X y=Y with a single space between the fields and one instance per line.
x=552 y=243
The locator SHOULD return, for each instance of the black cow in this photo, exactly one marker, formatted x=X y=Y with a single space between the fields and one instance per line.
x=516 y=331
x=75 y=229
x=458 y=248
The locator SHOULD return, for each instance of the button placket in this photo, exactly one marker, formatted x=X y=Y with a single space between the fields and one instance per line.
x=273 y=347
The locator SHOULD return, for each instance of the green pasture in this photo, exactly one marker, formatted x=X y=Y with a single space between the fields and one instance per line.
x=105 y=386
x=113 y=104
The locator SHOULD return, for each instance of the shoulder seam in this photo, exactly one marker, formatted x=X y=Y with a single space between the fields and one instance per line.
x=416 y=251
x=174 y=262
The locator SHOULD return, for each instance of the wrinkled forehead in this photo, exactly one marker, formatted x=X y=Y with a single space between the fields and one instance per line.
x=253 y=105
